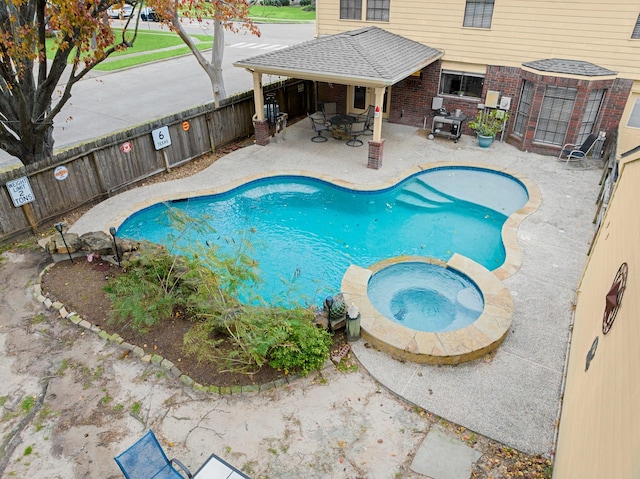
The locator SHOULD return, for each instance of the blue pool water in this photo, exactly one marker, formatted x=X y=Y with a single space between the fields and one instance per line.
x=425 y=297
x=306 y=232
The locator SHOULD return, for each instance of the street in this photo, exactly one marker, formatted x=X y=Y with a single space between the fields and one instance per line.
x=105 y=102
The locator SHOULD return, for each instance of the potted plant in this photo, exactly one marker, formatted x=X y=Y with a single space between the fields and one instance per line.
x=487 y=124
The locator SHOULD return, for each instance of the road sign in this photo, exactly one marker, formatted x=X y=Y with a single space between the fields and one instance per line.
x=161 y=138
x=20 y=191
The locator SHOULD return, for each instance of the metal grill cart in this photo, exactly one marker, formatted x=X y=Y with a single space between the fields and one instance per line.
x=448 y=126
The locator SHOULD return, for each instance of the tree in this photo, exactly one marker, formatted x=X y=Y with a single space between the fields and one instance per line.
x=36 y=80
x=31 y=92
x=224 y=13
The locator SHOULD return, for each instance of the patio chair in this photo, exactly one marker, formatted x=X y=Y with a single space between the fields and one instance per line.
x=574 y=152
x=146 y=460
x=357 y=128
x=367 y=117
x=329 y=109
x=318 y=127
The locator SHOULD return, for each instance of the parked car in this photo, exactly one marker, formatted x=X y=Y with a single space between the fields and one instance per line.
x=123 y=12
x=148 y=15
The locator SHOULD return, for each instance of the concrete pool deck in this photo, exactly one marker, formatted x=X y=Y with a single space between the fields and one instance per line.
x=512 y=395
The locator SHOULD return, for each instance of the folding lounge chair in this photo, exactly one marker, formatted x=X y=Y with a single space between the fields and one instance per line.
x=146 y=460
x=318 y=127
x=571 y=152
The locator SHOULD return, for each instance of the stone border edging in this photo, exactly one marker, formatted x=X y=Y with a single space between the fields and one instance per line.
x=156 y=359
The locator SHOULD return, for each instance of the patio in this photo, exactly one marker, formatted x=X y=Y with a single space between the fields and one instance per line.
x=511 y=396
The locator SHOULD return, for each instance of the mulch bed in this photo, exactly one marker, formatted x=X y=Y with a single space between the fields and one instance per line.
x=80 y=287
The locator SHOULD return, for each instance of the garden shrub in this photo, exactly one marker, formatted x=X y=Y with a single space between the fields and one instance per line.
x=209 y=285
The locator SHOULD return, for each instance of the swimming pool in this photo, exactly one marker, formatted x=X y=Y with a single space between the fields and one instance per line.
x=307 y=232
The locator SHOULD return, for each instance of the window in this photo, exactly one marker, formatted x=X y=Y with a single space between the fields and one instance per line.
x=591 y=110
x=636 y=29
x=462 y=84
x=378 y=10
x=634 y=117
x=524 y=107
x=555 y=113
x=478 y=13
x=351 y=9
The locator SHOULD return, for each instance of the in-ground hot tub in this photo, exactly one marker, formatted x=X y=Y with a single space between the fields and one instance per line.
x=425 y=296
x=462 y=309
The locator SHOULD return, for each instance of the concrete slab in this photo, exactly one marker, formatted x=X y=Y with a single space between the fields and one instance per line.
x=441 y=456
x=513 y=397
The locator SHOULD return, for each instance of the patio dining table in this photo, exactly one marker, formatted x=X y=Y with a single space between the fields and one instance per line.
x=341 y=126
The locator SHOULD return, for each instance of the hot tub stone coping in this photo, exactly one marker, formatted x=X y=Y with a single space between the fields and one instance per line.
x=466 y=344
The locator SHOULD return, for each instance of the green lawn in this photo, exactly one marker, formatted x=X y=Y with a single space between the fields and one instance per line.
x=151 y=56
x=152 y=45
x=280 y=14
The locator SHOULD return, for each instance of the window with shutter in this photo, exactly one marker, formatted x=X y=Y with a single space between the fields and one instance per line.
x=478 y=13
x=555 y=114
x=524 y=107
x=378 y=10
x=351 y=9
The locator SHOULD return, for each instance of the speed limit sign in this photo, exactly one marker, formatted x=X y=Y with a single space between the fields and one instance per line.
x=161 y=138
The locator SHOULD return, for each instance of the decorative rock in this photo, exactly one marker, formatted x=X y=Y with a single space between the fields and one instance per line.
x=339 y=323
x=57 y=245
x=156 y=359
x=320 y=319
x=47 y=302
x=98 y=242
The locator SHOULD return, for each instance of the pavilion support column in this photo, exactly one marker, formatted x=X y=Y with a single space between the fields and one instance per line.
x=260 y=123
x=376 y=145
x=376 y=149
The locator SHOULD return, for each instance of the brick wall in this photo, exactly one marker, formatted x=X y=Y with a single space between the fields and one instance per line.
x=328 y=92
x=617 y=93
x=411 y=101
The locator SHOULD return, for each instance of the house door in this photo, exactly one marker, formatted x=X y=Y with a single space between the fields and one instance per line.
x=359 y=99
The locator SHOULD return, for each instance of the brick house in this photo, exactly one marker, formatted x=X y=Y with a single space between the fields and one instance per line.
x=562 y=69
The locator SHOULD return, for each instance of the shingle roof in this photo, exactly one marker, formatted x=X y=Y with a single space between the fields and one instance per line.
x=570 y=67
x=370 y=54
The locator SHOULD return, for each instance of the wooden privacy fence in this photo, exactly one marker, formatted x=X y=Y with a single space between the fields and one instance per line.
x=95 y=170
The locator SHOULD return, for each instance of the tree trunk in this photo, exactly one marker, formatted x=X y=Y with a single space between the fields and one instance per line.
x=215 y=71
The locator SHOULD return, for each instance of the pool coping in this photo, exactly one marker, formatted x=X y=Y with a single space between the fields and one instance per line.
x=451 y=347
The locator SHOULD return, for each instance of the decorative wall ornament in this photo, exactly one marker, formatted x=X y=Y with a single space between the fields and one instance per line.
x=614 y=298
x=591 y=353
